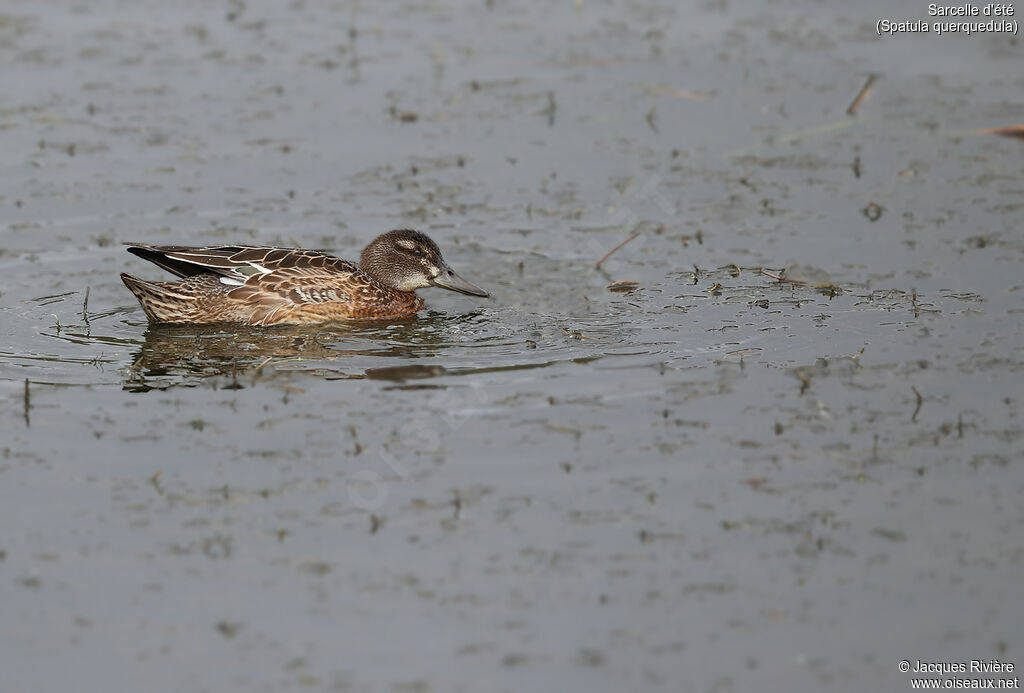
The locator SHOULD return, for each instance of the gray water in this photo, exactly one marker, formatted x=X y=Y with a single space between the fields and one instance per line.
x=714 y=482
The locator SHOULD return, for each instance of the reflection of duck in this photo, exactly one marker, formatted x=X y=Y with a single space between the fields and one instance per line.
x=177 y=347
x=273 y=286
x=178 y=354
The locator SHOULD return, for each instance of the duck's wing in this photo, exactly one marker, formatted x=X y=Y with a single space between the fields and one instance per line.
x=238 y=264
x=297 y=291
x=312 y=288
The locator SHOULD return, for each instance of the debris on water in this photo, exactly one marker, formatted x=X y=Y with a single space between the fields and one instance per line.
x=356 y=445
x=856 y=357
x=672 y=91
x=781 y=277
x=810 y=132
x=228 y=629
x=550 y=109
x=403 y=116
x=1015 y=131
x=873 y=211
x=623 y=286
x=920 y=401
x=740 y=354
x=892 y=535
x=806 y=275
x=154 y=481
x=805 y=382
x=217 y=546
x=558 y=428
x=862 y=95
x=576 y=334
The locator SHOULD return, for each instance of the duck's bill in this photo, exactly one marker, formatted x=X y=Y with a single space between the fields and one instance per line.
x=447 y=279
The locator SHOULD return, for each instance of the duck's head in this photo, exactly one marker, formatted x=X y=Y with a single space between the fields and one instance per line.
x=407 y=260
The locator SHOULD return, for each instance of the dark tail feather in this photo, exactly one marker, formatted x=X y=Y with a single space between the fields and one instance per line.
x=158 y=258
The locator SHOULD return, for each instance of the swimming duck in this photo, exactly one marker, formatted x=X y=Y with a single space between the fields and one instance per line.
x=260 y=285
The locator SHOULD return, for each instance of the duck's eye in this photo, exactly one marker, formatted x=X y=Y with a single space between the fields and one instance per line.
x=417 y=252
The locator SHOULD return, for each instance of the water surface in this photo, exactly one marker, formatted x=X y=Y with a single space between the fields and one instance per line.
x=712 y=482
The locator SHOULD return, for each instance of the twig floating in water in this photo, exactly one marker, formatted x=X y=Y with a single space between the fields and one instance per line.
x=576 y=334
x=609 y=253
x=551 y=108
x=623 y=286
x=920 y=400
x=27 y=404
x=856 y=357
x=1016 y=131
x=862 y=95
x=85 y=306
x=652 y=116
x=805 y=382
x=780 y=278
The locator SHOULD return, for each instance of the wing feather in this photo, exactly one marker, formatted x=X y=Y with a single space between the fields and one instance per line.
x=239 y=262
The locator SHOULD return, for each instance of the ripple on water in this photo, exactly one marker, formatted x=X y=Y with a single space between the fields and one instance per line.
x=58 y=341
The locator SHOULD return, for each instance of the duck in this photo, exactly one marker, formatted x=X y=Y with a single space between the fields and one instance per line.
x=265 y=285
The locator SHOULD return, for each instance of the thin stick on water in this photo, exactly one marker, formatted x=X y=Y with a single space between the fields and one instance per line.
x=1016 y=131
x=862 y=95
x=805 y=382
x=609 y=253
x=780 y=278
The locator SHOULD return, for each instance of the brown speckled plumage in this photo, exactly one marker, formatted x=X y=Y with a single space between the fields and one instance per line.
x=272 y=286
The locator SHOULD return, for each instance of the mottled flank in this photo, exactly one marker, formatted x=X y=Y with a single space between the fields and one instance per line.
x=273 y=286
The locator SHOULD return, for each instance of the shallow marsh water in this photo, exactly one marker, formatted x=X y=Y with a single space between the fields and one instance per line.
x=714 y=482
